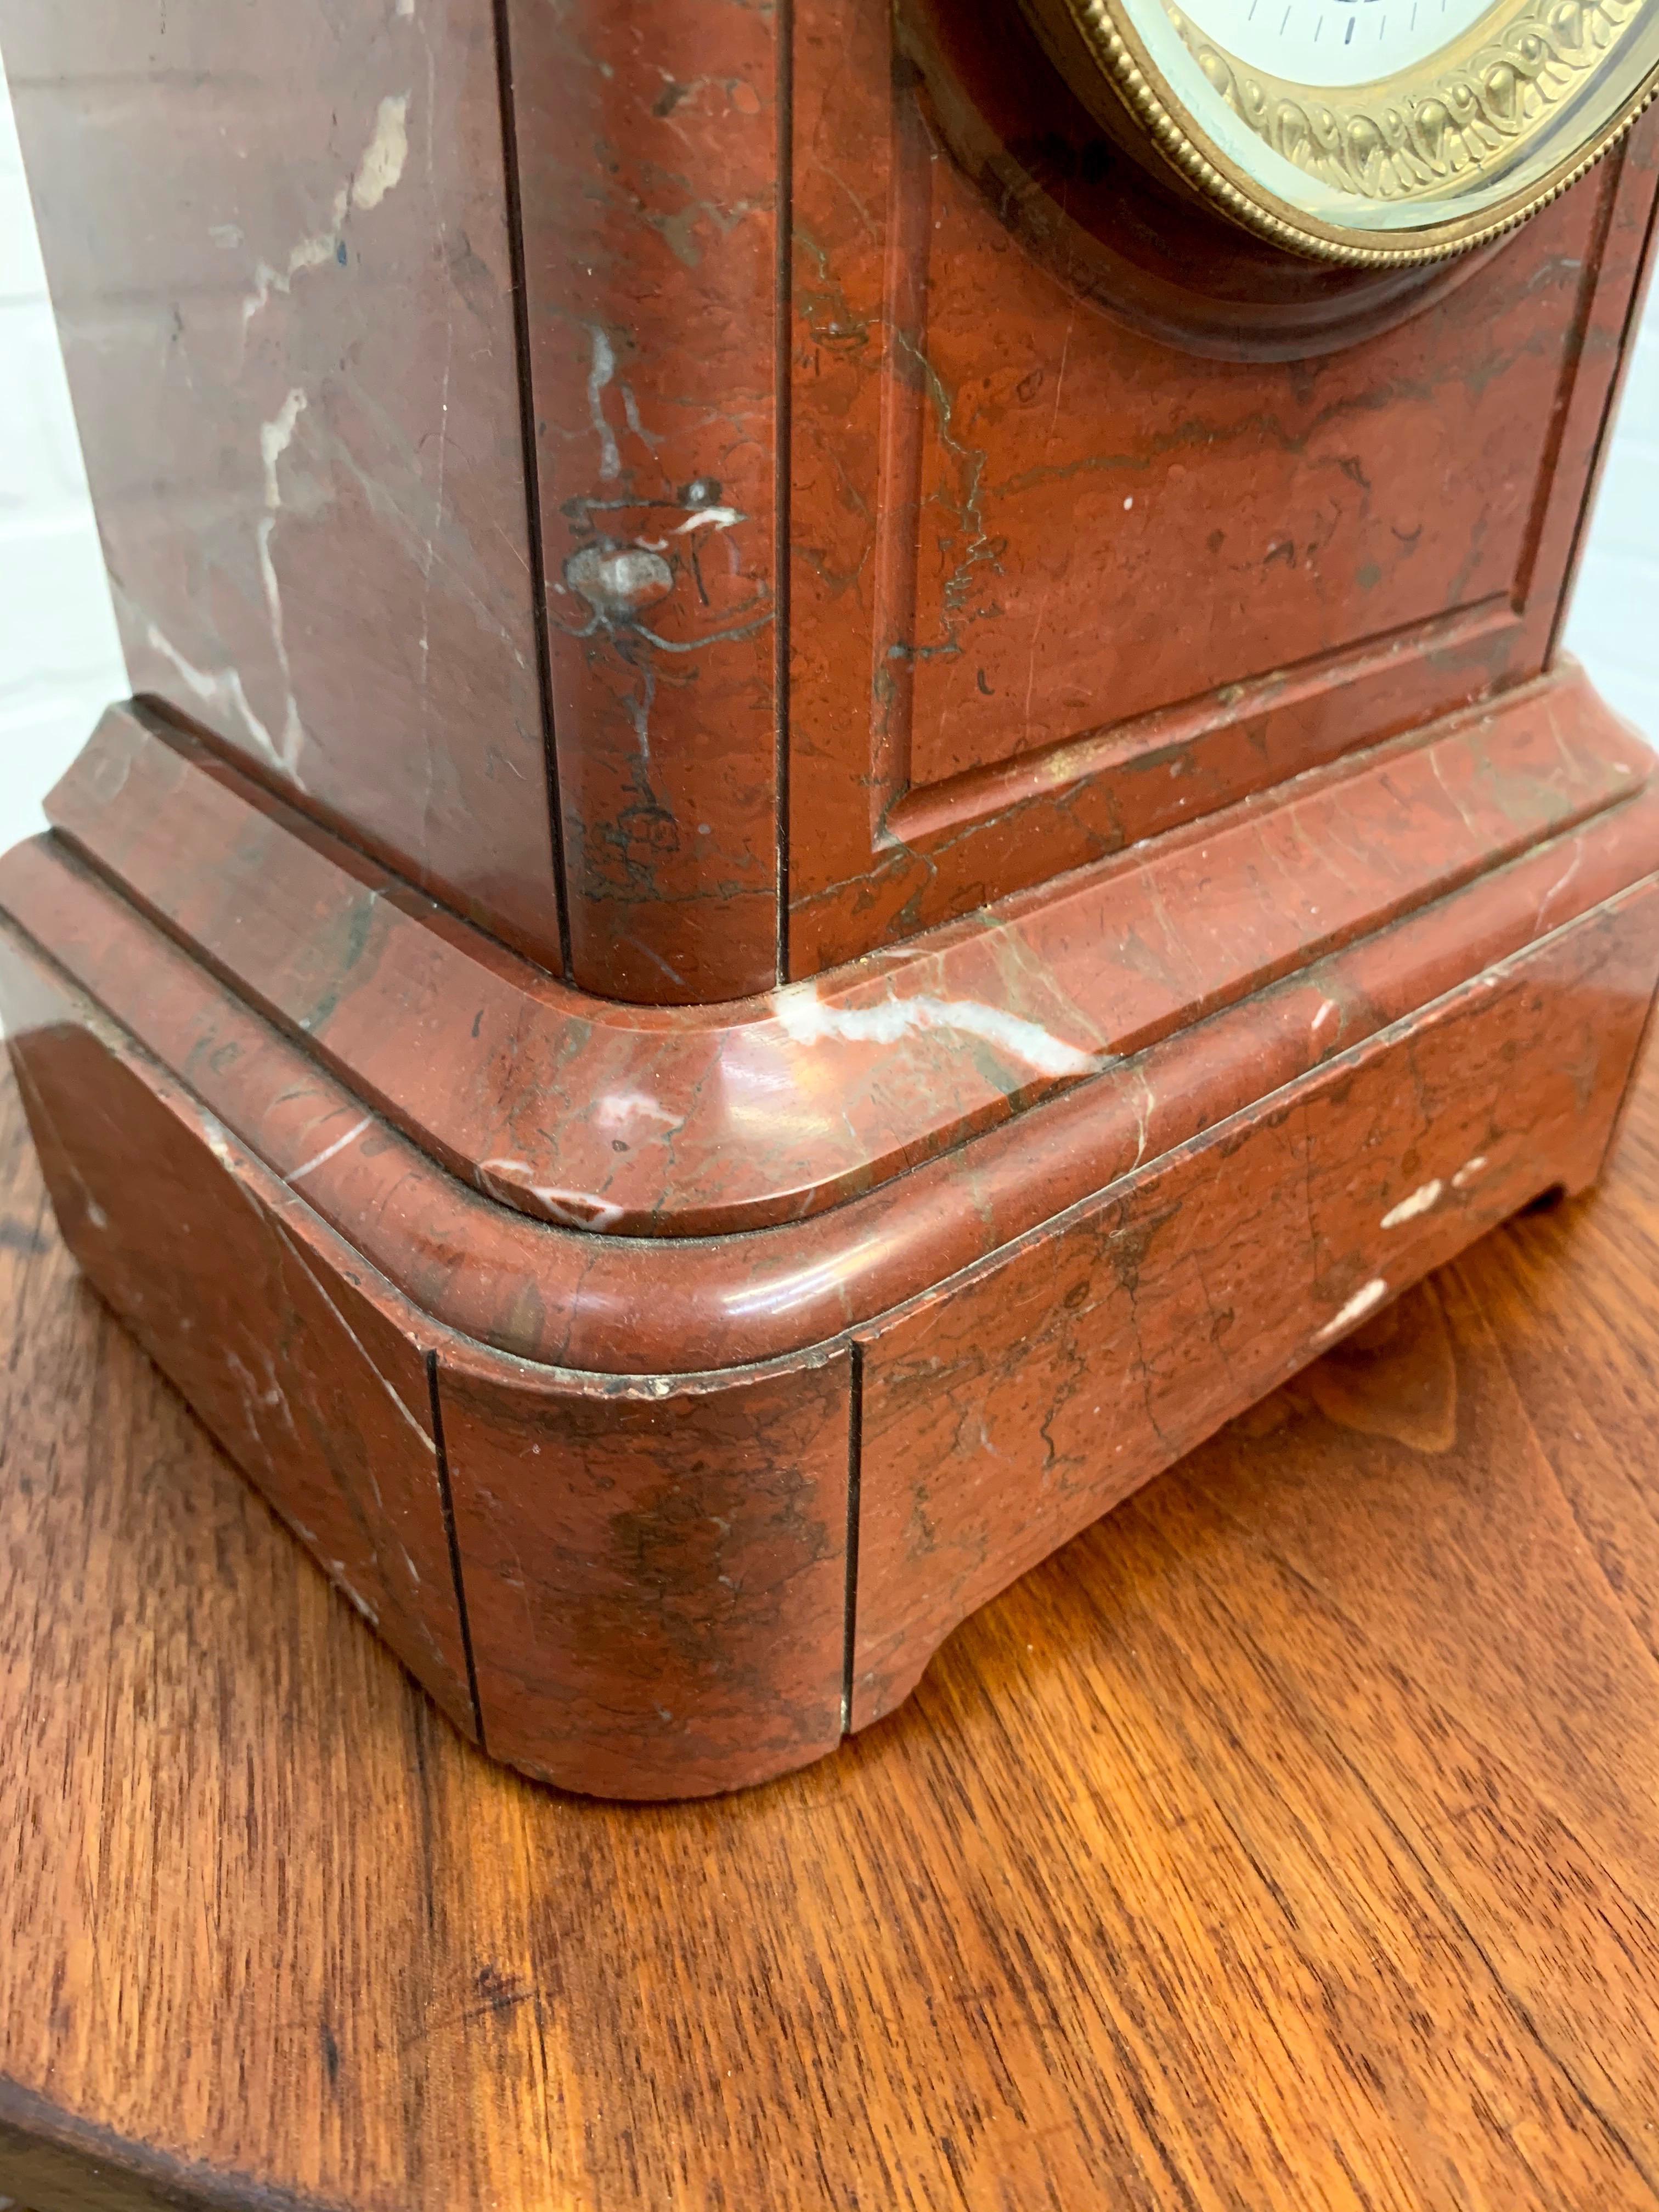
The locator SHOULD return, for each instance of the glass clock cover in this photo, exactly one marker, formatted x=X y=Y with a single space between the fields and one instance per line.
x=1366 y=130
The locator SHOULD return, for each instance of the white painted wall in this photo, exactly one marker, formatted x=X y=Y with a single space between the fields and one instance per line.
x=1614 y=626
x=59 y=658
x=60 y=662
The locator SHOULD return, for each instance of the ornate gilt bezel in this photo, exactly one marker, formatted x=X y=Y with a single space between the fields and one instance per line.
x=1418 y=141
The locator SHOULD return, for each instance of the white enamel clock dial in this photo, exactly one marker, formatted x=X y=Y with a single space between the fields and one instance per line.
x=1335 y=42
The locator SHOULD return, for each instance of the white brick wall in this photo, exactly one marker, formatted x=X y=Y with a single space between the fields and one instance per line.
x=59 y=660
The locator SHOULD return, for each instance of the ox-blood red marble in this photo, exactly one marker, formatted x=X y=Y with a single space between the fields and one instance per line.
x=836 y=821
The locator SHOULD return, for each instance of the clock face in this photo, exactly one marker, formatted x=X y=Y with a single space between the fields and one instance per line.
x=1335 y=42
x=1365 y=131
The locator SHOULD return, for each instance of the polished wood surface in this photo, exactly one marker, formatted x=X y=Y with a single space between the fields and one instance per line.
x=1286 y=1840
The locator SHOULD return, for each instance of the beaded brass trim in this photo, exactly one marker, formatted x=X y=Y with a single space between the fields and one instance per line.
x=1438 y=127
x=1100 y=35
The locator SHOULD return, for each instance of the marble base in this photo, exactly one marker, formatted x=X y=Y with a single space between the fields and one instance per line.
x=665 y=1384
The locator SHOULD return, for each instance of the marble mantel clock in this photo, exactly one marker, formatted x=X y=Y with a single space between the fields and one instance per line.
x=848 y=798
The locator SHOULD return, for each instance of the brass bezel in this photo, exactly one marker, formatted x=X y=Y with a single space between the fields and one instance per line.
x=1100 y=49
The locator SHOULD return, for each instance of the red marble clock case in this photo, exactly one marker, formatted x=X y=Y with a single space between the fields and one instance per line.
x=832 y=824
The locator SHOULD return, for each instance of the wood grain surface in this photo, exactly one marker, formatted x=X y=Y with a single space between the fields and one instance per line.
x=1287 y=1840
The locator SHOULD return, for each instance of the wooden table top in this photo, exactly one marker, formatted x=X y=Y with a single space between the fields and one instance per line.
x=1292 y=1838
